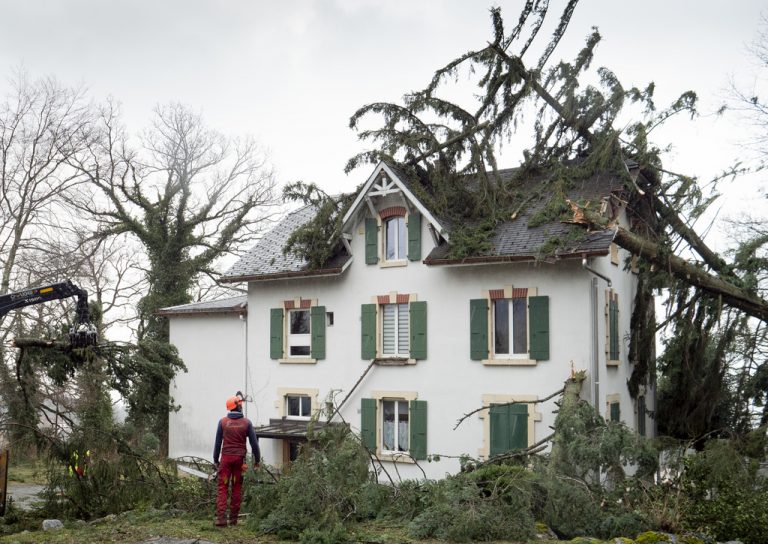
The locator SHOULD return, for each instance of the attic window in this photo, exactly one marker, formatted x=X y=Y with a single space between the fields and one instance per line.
x=396 y=245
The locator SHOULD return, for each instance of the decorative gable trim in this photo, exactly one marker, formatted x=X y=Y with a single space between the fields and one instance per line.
x=378 y=185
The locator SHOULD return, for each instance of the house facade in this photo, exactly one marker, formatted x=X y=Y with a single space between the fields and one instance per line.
x=211 y=339
x=399 y=340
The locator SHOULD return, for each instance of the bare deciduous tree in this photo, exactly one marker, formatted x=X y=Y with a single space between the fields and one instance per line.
x=188 y=195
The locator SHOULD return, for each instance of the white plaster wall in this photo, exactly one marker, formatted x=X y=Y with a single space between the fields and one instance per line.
x=448 y=380
x=613 y=379
x=213 y=349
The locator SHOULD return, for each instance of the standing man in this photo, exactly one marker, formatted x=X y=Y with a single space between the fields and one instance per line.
x=230 y=442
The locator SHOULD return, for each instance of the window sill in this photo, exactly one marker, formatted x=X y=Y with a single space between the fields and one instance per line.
x=393 y=264
x=298 y=360
x=396 y=458
x=394 y=361
x=510 y=362
x=613 y=362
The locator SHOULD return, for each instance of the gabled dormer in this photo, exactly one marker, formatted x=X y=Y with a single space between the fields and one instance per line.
x=392 y=217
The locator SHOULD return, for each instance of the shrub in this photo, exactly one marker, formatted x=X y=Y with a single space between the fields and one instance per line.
x=727 y=497
x=327 y=485
x=569 y=508
x=491 y=503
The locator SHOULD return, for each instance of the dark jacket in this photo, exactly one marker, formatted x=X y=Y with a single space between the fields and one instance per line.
x=231 y=434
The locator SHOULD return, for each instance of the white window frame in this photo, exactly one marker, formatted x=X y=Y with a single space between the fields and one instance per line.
x=301 y=398
x=511 y=355
x=397 y=330
x=396 y=435
x=402 y=234
x=298 y=340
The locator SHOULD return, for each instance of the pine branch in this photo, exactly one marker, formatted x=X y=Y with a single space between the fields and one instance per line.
x=537 y=401
x=689 y=273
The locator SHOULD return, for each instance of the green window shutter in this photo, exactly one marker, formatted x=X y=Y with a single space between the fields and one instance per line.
x=615 y=412
x=368 y=423
x=499 y=430
x=518 y=426
x=641 y=416
x=538 y=323
x=613 y=311
x=317 y=325
x=371 y=241
x=276 y=333
x=478 y=329
x=418 y=419
x=418 y=330
x=509 y=427
x=368 y=331
x=414 y=237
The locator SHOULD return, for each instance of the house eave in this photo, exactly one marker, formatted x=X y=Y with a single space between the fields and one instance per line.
x=501 y=259
x=202 y=313
x=319 y=273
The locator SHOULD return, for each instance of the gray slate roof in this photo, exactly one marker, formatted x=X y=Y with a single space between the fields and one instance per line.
x=512 y=240
x=515 y=240
x=237 y=304
x=266 y=259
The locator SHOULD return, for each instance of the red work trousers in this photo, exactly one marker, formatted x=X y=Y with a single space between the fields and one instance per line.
x=230 y=472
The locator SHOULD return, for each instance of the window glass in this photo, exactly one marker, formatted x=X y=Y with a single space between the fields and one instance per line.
x=293 y=406
x=395 y=239
x=299 y=322
x=299 y=333
x=510 y=326
x=395 y=432
x=298 y=406
x=520 y=324
x=294 y=449
x=395 y=329
x=501 y=326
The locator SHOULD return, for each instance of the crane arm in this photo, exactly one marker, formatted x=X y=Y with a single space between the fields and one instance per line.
x=38 y=295
x=82 y=333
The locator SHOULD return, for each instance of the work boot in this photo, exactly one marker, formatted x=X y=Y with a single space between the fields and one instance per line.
x=221 y=522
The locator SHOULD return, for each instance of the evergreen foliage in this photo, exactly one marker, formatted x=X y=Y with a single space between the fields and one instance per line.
x=314 y=242
x=726 y=496
x=450 y=151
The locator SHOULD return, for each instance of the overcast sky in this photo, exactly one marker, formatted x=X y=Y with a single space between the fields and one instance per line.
x=292 y=72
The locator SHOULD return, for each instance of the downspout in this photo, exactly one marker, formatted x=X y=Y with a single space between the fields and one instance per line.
x=586 y=267
x=244 y=319
x=595 y=374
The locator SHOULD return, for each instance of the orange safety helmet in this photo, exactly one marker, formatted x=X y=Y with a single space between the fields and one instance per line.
x=233 y=402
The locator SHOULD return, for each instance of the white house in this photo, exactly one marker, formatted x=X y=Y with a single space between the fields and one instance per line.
x=211 y=339
x=403 y=340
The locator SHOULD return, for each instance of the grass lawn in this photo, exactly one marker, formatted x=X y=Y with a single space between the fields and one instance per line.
x=27 y=472
x=132 y=528
x=138 y=527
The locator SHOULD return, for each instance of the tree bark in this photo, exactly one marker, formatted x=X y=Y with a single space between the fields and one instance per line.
x=690 y=273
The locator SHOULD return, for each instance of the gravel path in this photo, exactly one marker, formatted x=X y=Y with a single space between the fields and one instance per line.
x=24 y=495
